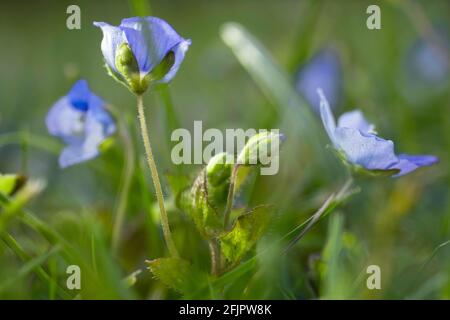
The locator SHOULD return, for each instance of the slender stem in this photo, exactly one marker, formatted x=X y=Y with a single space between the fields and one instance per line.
x=214 y=248
x=128 y=169
x=327 y=205
x=154 y=172
x=230 y=195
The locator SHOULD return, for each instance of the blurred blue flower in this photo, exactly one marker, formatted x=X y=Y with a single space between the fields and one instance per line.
x=428 y=63
x=355 y=138
x=142 y=50
x=322 y=71
x=80 y=120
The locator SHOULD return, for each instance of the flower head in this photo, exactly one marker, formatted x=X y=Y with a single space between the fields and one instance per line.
x=322 y=71
x=355 y=138
x=142 y=50
x=81 y=122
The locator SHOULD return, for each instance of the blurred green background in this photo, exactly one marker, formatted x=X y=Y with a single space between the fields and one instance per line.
x=402 y=225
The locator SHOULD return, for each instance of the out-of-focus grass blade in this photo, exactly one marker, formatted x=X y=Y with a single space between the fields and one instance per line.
x=40 y=272
x=34 y=140
x=140 y=7
x=29 y=267
x=272 y=81
x=332 y=288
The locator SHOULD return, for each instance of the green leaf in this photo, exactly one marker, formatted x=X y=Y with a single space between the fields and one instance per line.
x=246 y=231
x=10 y=183
x=178 y=274
x=195 y=202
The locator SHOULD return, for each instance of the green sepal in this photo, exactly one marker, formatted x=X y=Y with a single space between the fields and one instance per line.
x=115 y=75
x=161 y=69
x=128 y=68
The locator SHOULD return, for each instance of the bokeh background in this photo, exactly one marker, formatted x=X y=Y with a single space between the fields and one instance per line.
x=402 y=225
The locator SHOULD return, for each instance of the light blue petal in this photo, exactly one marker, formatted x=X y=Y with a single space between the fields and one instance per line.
x=327 y=116
x=179 y=50
x=99 y=114
x=74 y=154
x=366 y=150
x=150 y=39
x=409 y=163
x=113 y=37
x=65 y=121
x=98 y=126
x=356 y=120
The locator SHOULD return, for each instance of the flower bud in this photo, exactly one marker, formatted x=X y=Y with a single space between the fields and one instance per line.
x=127 y=66
x=219 y=169
x=261 y=148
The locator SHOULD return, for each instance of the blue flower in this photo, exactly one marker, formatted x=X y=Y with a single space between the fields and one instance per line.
x=428 y=63
x=355 y=138
x=322 y=71
x=141 y=51
x=81 y=122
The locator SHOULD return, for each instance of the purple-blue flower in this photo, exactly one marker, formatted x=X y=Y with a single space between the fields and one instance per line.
x=355 y=138
x=142 y=50
x=322 y=71
x=428 y=63
x=80 y=120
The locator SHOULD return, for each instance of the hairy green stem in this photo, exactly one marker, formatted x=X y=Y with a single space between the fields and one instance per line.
x=154 y=172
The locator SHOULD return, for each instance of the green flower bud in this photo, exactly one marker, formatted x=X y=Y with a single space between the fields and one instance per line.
x=128 y=68
x=260 y=148
x=219 y=169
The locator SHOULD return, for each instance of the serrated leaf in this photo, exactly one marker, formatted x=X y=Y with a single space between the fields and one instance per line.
x=246 y=231
x=178 y=274
x=10 y=183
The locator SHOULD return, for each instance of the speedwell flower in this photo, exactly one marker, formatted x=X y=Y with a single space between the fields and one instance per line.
x=322 y=71
x=80 y=120
x=355 y=138
x=142 y=50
